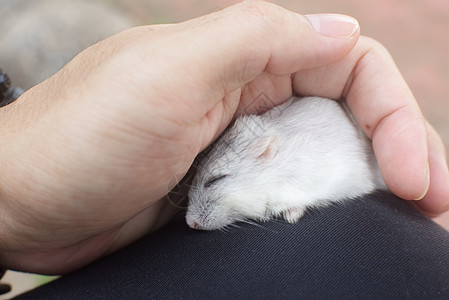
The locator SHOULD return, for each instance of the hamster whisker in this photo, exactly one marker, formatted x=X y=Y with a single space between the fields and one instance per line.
x=234 y=225
x=250 y=222
x=255 y=223
x=224 y=229
x=173 y=192
x=177 y=204
x=190 y=186
x=193 y=187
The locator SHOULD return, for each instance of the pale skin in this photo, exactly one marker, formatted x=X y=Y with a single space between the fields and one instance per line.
x=87 y=156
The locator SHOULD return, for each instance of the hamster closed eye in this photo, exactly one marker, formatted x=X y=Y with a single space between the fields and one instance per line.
x=214 y=180
x=307 y=152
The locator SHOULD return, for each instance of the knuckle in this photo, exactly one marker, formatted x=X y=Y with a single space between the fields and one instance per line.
x=254 y=8
x=265 y=17
x=375 y=46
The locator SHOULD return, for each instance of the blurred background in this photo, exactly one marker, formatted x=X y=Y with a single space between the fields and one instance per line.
x=37 y=37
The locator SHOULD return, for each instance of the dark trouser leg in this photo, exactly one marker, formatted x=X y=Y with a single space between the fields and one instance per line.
x=377 y=247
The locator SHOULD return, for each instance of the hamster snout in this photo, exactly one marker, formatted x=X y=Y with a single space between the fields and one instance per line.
x=304 y=153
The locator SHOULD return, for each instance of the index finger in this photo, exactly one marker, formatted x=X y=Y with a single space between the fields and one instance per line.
x=384 y=106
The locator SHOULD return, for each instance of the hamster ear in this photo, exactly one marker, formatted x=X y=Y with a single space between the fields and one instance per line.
x=267 y=148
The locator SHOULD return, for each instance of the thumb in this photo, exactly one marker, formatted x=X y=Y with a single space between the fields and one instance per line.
x=231 y=47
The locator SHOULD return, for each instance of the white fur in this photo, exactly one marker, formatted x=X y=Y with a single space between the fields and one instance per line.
x=304 y=153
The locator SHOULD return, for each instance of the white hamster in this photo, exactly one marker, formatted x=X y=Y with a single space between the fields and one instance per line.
x=307 y=152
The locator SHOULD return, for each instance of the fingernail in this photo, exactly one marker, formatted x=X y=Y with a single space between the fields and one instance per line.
x=427 y=184
x=334 y=25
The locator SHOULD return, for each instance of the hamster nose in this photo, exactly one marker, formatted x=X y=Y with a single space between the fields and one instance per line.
x=196 y=226
x=193 y=224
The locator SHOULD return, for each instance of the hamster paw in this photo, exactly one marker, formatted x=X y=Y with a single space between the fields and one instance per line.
x=292 y=215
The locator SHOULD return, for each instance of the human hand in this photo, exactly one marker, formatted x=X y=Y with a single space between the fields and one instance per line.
x=88 y=155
